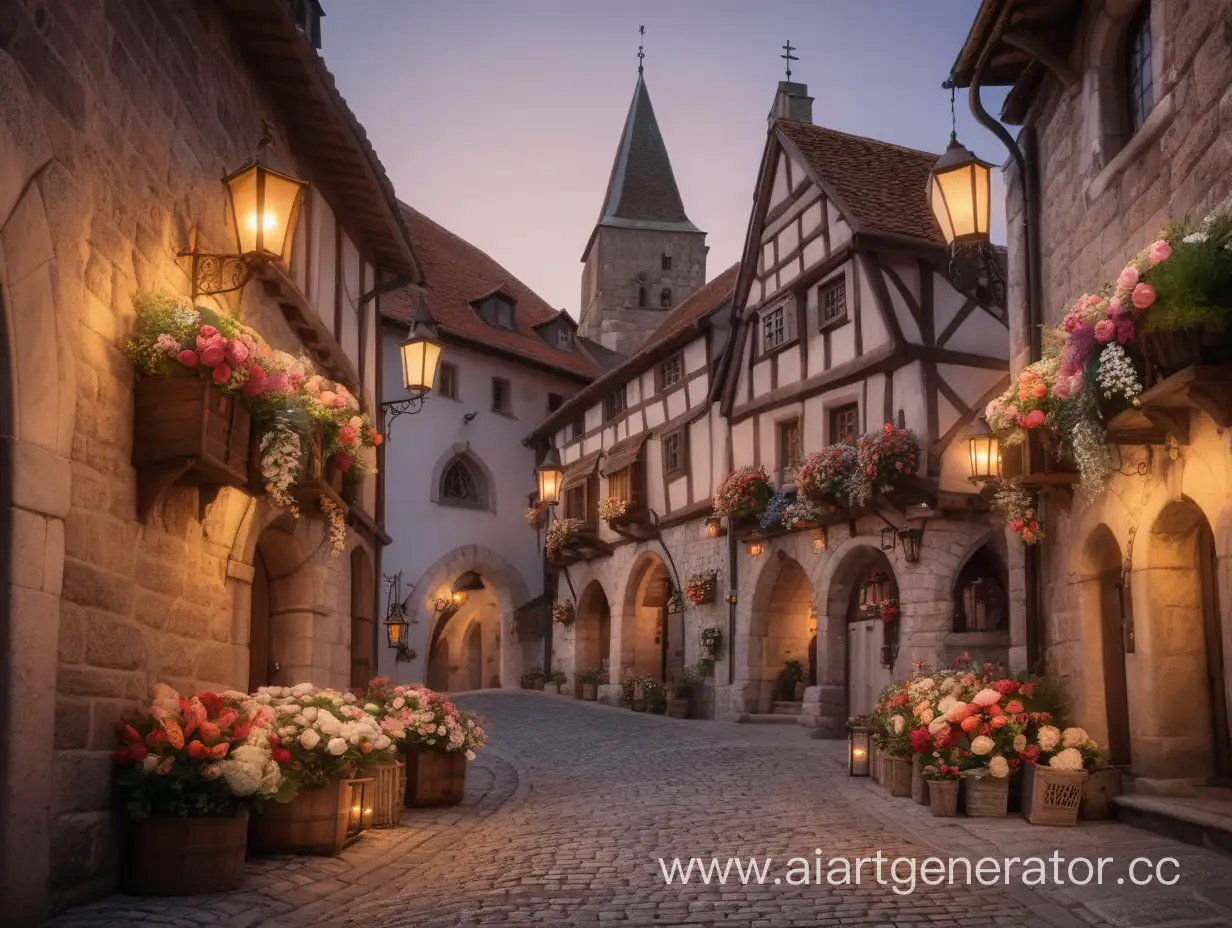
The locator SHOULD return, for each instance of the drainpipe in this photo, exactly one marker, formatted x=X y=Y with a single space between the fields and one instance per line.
x=1023 y=153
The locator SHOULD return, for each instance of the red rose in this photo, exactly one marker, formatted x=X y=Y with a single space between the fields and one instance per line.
x=921 y=741
x=282 y=755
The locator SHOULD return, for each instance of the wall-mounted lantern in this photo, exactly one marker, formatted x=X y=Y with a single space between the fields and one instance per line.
x=550 y=475
x=714 y=527
x=912 y=539
x=984 y=451
x=888 y=539
x=756 y=548
x=819 y=538
x=264 y=207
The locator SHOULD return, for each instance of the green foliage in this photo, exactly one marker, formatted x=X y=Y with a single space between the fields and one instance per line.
x=655 y=694
x=785 y=683
x=590 y=677
x=688 y=680
x=559 y=677
x=1193 y=287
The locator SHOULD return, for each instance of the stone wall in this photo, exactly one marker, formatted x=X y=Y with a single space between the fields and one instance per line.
x=117 y=121
x=1103 y=200
x=610 y=311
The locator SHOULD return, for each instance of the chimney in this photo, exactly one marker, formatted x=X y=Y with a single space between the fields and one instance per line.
x=792 y=102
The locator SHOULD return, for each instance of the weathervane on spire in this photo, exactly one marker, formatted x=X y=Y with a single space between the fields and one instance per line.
x=789 y=57
x=641 y=31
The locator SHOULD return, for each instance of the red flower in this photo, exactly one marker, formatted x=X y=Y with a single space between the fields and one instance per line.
x=1013 y=707
x=282 y=755
x=1030 y=754
x=1005 y=687
x=921 y=741
x=219 y=751
x=197 y=750
x=212 y=703
x=343 y=461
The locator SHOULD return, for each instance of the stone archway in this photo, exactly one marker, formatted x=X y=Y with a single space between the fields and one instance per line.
x=1181 y=726
x=852 y=641
x=1102 y=698
x=780 y=630
x=643 y=627
x=592 y=630
x=282 y=634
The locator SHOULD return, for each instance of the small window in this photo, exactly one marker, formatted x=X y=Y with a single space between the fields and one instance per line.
x=673 y=453
x=1140 y=82
x=671 y=372
x=458 y=485
x=641 y=297
x=564 y=339
x=667 y=262
x=845 y=424
x=502 y=400
x=789 y=450
x=615 y=403
x=778 y=326
x=832 y=303
x=575 y=502
x=554 y=401
x=504 y=315
x=447 y=380
x=618 y=484
x=577 y=428
x=665 y=298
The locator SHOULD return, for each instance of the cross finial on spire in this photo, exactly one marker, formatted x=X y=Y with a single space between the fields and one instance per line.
x=641 y=31
x=788 y=56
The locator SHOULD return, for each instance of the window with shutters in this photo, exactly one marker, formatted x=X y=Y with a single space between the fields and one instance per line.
x=832 y=303
x=845 y=424
x=778 y=326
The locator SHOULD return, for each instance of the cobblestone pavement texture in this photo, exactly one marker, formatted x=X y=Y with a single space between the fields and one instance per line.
x=568 y=810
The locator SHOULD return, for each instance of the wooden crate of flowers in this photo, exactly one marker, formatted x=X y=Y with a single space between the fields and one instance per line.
x=701 y=588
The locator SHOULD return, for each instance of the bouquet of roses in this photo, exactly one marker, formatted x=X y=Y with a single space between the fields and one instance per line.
x=206 y=755
x=825 y=475
x=416 y=715
x=744 y=493
x=323 y=735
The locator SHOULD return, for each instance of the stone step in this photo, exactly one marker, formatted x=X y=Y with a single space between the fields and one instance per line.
x=766 y=718
x=1204 y=820
x=779 y=707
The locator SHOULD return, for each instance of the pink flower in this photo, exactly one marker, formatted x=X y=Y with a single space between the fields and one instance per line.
x=1076 y=384
x=257 y=383
x=1143 y=296
x=205 y=335
x=1160 y=251
x=1061 y=388
x=277 y=383
x=326 y=398
x=341 y=401
x=237 y=353
x=1034 y=419
x=348 y=436
x=213 y=354
x=1128 y=279
x=222 y=374
x=1104 y=330
x=1125 y=331
x=188 y=358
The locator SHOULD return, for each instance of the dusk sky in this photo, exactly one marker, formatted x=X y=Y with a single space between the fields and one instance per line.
x=500 y=119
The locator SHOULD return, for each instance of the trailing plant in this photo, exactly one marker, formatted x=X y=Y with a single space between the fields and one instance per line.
x=1019 y=507
x=559 y=677
x=882 y=458
x=561 y=533
x=700 y=587
x=773 y=513
x=799 y=514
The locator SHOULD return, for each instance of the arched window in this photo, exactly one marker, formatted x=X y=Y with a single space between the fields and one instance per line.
x=980 y=603
x=1140 y=82
x=459 y=486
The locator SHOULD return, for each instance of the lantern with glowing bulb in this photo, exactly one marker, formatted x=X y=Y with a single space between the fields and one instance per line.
x=550 y=475
x=857 y=751
x=985 y=452
x=265 y=204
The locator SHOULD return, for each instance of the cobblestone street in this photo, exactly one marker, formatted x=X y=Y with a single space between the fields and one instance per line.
x=570 y=807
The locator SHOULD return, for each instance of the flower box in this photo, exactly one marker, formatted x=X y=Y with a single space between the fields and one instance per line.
x=434 y=778
x=898 y=775
x=590 y=691
x=187 y=431
x=1051 y=796
x=318 y=822
x=919 y=783
x=986 y=797
x=677 y=708
x=943 y=798
x=318 y=477
x=1168 y=353
x=172 y=856
x=390 y=787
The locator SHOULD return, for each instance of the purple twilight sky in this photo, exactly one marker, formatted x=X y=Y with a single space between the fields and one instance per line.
x=500 y=119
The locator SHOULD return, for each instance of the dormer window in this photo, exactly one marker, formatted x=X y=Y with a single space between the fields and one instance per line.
x=497 y=310
x=564 y=339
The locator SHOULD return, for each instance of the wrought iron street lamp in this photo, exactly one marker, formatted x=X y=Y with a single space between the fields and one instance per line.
x=984 y=450
x=911 y=539
x=550 y=475
x=959 y=195
x=421 y=355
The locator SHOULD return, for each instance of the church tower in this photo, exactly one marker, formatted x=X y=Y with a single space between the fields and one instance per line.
x=644 y=257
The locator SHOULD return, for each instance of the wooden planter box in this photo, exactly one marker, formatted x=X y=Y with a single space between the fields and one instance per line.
x=919 y=785
x=943 y=798
x=1168 y=353
x=186 y=431
x=183 y=856
x=678 y=708
x=318 y=822
x=390 y=789
x=1051 y=796
x=874 y=762
x=986 y=797
x=434 y=778
x=590 y=691
x=898 y=773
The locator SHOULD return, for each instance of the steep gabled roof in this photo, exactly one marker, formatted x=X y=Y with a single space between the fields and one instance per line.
x=881 y=187
x=677 y=329
x=641 y=190
x=458 y=274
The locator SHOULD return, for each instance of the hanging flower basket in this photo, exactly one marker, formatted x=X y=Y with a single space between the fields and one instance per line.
x=536 y=515
x=613 y=507
x=700 y=589
x=743 y=494
x=888 y=610
x=563 y=613
x=882 y=459
x=825 y=476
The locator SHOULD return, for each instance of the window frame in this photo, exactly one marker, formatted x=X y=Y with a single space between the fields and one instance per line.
x=559 y=401
x=577 y=426
x=661 y=381
x=474 y=475
x=506 y=407
x=1138 y=62
x=610 y=412
x=665 y=298
x=447 y=374
x=786 y=468
x=682 y=462
x=832 y=423
x=824 y=289
x=564 y=339
x=790 y=328
x=665 y=262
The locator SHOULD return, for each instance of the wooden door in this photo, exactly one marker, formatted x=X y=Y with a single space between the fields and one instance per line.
x=1113 y=600
x=362 y=607
x=260 y=661
x=1212 y=624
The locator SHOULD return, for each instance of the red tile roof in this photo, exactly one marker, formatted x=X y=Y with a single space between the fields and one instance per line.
x=458 y=273
x=883 y=187
x=674 y=330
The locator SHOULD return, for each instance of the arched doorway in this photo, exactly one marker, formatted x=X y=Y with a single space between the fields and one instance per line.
x=260 y=660
x=474 y=656
x=643 y=640
x=363 y=593
x=438 y=666
x=776 y=657
x=281 y=631
x=1186 y=735
x=1105 y=608
x=592 y=631
x=980 y=621
x=860 y=647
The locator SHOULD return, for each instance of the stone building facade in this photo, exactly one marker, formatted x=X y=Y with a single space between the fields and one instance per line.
x=1136 y=586
x=117 y=122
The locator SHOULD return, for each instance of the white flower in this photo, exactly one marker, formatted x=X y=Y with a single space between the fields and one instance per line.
x=1074 y=737
x=981 y=745
x=1020 y=742
x=1069 y=759
x=1117 y=373
x=242 y=777
x=399 y=702
x=300 y=690
x=937 y=726
x=1195 y=238
x=327 y=724
x=309 y=739
x=310 y=713
x=149 y=763
x=898 y=722
x=998 y=766
x=336 y=746
x=271 y=778
x=382 y=742
x=947 y=703
x=348 y=697
x=1048 y=737
x=300 y=720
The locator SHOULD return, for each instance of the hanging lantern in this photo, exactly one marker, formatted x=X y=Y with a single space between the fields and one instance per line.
x=421 y=352
x=958 y=193
x=984 y=450
x=912 y=539
x=714 y=527
x=396 y=631
x=550 y=475
x=756 y=548
x=265 y=204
